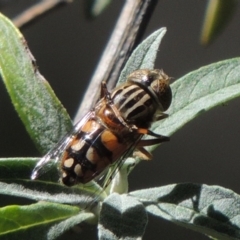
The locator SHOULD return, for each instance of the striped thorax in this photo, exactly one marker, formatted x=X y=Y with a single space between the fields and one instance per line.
x=145 y=94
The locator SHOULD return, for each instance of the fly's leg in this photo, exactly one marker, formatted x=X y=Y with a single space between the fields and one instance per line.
x=161 y=116
x=141 y=152
x=159 y=138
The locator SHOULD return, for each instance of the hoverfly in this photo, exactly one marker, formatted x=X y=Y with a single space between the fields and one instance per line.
x=113 y=128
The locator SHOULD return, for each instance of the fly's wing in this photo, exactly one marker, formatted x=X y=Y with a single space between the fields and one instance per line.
x=54 y=155
x=107 y=175
x=106 y=178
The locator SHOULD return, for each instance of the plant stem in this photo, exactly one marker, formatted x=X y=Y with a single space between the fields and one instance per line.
x=36 y=10
x=126 y=35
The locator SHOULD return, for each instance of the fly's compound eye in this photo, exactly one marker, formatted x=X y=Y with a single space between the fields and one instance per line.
x=160 y=87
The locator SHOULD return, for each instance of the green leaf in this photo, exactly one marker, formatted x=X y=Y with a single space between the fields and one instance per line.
x=122 y=217
x=33 y=221
x=218 y=14
x=17 y=168
x=211 y=210
x=15 y=176
x=144 y=55
x=44 y=191
x=15 y=173
x=95 y=7
x=198 y=92
x=58 y=229
x=35 y=102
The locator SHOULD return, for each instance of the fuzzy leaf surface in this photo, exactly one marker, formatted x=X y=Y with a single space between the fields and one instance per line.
x=32 y=221
x=211 y=210
x=42 y=114
x=15 y=181
x=199 y=91
x=144 y=55
x=122 y=217
x=60 y=228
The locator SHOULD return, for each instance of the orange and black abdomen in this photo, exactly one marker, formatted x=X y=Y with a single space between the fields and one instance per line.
x=92 y=150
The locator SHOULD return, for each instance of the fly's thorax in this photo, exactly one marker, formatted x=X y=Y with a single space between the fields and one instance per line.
x=114 y=120
x=134 y=104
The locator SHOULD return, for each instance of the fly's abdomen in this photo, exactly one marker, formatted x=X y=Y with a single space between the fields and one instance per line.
x=92 y=151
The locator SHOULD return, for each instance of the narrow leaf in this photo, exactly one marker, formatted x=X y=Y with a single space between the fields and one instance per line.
x=60 y=228
x=45 y=191
x=15 y=172
x=35 y=102
x=218 y=13
x=198 y=92
x=211 y=210
x=18 y=168
x=144 y=55
x=122 y=217
x=33 y=221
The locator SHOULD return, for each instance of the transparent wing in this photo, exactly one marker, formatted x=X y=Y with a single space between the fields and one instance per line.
x=115 y=167
x=53 y=156
x=106 y=176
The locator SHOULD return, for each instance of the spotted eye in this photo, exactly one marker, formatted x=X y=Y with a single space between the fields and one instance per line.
x=163 y=92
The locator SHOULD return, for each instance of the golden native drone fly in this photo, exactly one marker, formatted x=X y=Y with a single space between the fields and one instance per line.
x=113 y=128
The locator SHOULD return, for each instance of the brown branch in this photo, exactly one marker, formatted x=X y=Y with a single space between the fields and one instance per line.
x=36 y=10
x=129 y=28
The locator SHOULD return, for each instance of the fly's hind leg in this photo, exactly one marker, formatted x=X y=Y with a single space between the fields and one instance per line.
x=140 y=151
